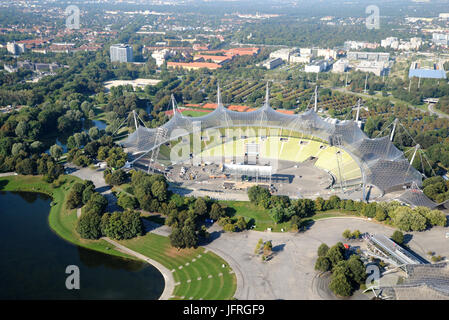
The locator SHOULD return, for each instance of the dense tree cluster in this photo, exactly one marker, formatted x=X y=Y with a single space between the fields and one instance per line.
x=42 y=164
x=347 y=274
x=233 y=225
x=283 y=209
x=94 y=222
x=436 y=188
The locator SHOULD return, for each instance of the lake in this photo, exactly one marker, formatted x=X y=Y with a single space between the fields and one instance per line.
x=34 y=259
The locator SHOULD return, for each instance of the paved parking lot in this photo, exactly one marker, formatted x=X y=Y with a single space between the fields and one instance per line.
x=290 y=274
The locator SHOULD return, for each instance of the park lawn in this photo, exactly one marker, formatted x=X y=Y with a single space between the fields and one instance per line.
x=187 y=266
x=262 y=219
x=254 y=215
x=191 y=113
x=61 y=220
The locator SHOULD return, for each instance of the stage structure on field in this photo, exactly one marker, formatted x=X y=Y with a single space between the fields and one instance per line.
x=382 y=165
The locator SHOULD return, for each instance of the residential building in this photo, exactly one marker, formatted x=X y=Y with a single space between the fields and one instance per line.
x=440 y=39
x=300 y=58
x=340 y=66
x=272 y=63
x=15 y=48
x=369 y=56
x=283 y=54
x=377 y=67
x=317 y=66
x=161 y=55
x=121 y=53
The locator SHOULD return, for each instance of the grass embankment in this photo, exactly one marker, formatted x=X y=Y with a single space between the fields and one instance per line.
x=61 y=220
x=262 y=220
x=221 y=285
x=198 y=274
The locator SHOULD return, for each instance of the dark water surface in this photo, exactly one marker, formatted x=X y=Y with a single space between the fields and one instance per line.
x=34 y=259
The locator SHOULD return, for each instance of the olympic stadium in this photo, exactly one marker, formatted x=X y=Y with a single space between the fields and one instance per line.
x=293 y=154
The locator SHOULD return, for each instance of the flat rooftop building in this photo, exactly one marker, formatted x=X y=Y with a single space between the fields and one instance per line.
x=427 y=69
x=370 y=56
x=317 y=66
x=121 y=53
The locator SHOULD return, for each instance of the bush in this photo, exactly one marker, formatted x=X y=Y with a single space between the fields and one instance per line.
x=347 y=234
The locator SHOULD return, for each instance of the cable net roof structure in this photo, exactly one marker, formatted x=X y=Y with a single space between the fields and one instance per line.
x=417 y=198
x=424 y=282
x=382 y=164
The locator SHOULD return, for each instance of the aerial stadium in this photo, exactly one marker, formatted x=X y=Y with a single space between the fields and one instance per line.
x=299 y=155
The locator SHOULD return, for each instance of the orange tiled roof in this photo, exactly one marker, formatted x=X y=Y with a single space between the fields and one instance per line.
x=194 y=65
x=209 y=106
x=212 y=57
x=285 y=111
x=238 y=108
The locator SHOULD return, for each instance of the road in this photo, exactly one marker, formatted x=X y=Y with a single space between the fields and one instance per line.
x=432 y=110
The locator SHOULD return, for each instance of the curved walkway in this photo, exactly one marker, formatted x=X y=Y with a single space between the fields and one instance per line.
x=168 y=277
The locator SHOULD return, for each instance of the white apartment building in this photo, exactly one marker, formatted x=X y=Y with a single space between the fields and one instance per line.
x=440 y=39
x=283 y=54
x=161 y=55
x=340 y=66
x=317 y=66
x=121 y=53
x=15 y=48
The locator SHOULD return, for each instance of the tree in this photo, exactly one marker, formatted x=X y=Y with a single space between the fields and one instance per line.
x=398 y=237
x=25 y=167
x=56 y=151
x=200 y=207
x=127 y=202
x=277 y=214
x=322 y=264
x=88 y=226
x=356 y=234
x=340 y=285
x=407 y=219
x=22 y=129
x=176 y=238
x=335 y=254
x=267 y=247
x=260 y=196
x=159 y=190
x=241 y=223
x=322 y=250
x=94 y=133
x=436 y=218
x=358 y=271
x=75 y=197
x=116 y=177
x=17 y=148
x=216 y=211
